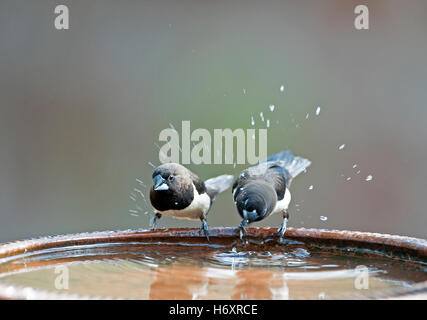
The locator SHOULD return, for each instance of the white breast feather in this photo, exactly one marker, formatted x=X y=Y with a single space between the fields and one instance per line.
x=197 y=209
x=284 y=203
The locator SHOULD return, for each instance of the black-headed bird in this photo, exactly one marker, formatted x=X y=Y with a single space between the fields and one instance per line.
x=263 y=189
x=179 y=193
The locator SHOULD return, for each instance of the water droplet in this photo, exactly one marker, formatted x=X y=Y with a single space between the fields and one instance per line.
x=252 y=121
x=323 y=218
x=358 y=171
x=261 y=116
x=234 y=165
x=282 y=88
x=307 y=115
x=317 y=111
x=253 y=137
x=271 y=107
x=244 y=91
x=369 y=178
x=341 y=146
x=354 y=166
x=140 y=182
x=151 y=164
x=348 y=179
x=268 y=123
x=310 y=187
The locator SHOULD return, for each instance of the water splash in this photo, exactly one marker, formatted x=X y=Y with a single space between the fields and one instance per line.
x=141 y=183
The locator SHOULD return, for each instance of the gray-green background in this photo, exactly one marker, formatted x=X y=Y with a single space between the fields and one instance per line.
x=81 y=109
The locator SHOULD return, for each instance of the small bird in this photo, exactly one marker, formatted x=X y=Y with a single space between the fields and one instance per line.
x=179 y=193
x=263 y=189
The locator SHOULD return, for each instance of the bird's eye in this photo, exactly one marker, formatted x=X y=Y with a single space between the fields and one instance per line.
x=171 y=178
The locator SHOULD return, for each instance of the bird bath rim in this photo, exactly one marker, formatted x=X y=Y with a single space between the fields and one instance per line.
x=404 y=248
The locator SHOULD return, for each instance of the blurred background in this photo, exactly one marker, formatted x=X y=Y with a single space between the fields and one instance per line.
x=81 y=109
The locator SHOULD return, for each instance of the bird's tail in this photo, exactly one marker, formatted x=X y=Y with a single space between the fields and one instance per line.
x=293 y=165
x=216 y=185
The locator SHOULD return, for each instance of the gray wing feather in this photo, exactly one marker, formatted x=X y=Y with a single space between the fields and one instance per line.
x=285 y=159
x=216 y=185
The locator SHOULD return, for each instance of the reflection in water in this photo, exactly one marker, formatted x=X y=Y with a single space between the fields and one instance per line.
x=173 y=271
x=259 y=284
x=188 y=284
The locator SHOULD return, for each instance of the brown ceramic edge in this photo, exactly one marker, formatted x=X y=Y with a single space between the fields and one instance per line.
x=416 y=245
x=15 y=292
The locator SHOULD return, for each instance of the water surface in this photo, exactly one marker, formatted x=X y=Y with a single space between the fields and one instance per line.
x=207 y=271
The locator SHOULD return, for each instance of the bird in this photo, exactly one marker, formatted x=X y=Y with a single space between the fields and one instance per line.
x=180 y=193
x=262 y=190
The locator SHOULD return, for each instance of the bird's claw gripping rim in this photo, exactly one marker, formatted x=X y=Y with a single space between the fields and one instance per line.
x=242 y=228
x=204 y=229
x=282 y=229
x=154 y=221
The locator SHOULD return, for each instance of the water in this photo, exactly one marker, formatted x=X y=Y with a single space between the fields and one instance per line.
x=201 y=271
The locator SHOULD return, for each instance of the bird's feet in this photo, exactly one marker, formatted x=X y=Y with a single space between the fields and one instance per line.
x=282 y=229
x=156 y=217
x=242 y=228
x=204 y=228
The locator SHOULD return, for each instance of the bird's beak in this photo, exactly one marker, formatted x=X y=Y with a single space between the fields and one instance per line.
x=160 y=183
x=250 y=215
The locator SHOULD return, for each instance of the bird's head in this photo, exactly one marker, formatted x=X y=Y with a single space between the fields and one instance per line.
x=170 y=178
x=255 y=201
